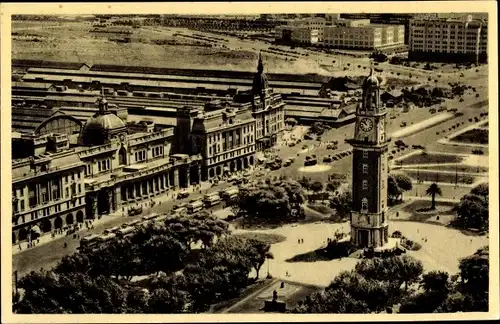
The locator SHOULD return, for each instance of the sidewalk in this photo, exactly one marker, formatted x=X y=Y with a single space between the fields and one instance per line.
x=47 y=237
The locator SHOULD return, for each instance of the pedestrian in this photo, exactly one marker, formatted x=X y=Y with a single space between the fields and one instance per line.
x=37 y=240
x=20 y=248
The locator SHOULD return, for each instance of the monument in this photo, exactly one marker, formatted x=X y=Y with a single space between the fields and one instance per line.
x=369 y=221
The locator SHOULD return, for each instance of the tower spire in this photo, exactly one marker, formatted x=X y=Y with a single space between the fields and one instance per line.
x=260 y=66
x=103 y=104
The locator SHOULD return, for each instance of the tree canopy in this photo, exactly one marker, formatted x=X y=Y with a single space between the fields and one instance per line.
x=276 y=201
x=180 y=277
x=472 y=212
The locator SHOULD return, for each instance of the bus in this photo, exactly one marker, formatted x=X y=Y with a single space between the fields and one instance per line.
x=161 y=218
x=126 y=231
x=194 y=207
x=211 y=200
x=106 y=237
x=131 y=223
x=230 y=193
x=89 y=241
x=150 y=217
x=179 y=209
x=111 y=230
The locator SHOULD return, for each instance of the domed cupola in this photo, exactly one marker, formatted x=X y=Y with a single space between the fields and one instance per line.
x=371 y=81
x=102 y=126
x=260 y=83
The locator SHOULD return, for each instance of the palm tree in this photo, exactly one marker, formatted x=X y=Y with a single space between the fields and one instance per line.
x=432 y=191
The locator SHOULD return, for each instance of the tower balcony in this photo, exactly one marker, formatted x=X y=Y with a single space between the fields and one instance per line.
x=367 y=143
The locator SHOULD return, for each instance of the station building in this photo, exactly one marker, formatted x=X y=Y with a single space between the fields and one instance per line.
x=65 y=170
x=96 y=168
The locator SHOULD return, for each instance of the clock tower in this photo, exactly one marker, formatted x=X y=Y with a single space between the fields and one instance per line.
x=369 y=221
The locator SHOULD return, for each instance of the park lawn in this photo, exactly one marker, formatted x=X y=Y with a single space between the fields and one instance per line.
x=420 y=210
x=424 y=158
x=440 y=177
x=262 y=237
x=472 y=136
x=458 y=168
x=325 y=210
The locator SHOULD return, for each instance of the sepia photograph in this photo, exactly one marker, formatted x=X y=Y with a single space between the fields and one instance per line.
x=328 y=160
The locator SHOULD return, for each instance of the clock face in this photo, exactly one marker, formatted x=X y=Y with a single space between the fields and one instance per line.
x=366 y=124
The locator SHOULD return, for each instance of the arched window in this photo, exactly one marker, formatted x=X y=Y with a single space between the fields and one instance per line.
x=364 y=204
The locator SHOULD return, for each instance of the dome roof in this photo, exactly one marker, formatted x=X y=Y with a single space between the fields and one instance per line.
x=98 y=127
x=107 y=121
x=372 y=80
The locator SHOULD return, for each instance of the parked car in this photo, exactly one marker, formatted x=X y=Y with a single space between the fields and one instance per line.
x=182 y=195
x=418 y=147
x=132 y=211
x=327 y=159
x=399 y=143
x=291 y=144
x=310 y=162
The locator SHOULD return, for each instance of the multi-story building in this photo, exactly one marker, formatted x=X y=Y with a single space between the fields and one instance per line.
x=224 y=137
x=360 y=34
x=297 y=35
x=268 y=109
x=448 y=39
x=66 y=171
x=110 y=167
x=227 y=135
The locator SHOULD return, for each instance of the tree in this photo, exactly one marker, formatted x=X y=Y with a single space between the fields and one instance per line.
x=403 y=183
x=70 y=293
x=163 y=301
x=373 y=293
x=393 y=190
x=342 y=203
x=333 y=302
x=316 y=186
x=432 y=191
x=259 y=252
x=394 y=270
x=472 y=212
x=481 y=190
x=333 y=185
x=474 y=271
x=163 y=253
x=436 y=281
x=276 y=201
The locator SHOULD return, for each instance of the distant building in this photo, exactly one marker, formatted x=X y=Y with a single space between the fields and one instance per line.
x=296 y=35
x=360 y=34
x=461 y=39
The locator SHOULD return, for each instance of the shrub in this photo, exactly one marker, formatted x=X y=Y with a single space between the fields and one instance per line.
x=468 y=179
x=396 y=234
x=416 y=246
